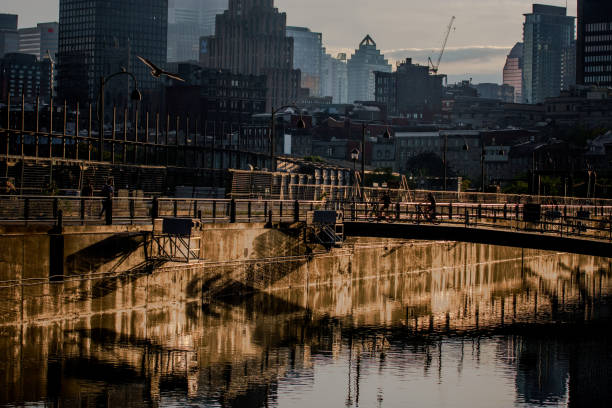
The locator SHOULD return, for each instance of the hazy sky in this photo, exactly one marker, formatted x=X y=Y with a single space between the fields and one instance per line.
x=485 y=29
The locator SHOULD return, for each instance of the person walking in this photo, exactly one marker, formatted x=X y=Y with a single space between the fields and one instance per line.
x=107 y=205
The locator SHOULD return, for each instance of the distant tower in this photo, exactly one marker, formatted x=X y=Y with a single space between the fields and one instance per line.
x=361 y=67
x=594 y=45
x=548 y=35
x=99 y=37
x=188 y=20
x=513 y=71
x=250 y=38
x=307 y=55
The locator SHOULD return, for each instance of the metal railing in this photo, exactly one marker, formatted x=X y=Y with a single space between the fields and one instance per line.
x=587 y=221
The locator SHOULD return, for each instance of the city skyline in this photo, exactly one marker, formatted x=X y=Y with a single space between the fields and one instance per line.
x=483 y=36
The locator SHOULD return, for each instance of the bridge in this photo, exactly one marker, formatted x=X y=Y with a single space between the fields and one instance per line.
x=554 y=224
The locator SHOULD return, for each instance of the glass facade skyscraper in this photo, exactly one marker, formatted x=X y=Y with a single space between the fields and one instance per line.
x=513 y=71
x=100 y=37
x=188 y=20
x=307 y=54
x=594 y=46
x=548 y=35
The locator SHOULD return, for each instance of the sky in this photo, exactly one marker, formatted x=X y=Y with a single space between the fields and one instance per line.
x=484 y=33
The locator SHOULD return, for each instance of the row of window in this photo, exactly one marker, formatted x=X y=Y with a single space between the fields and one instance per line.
x=599 y=68
x=598 y=48
x=598 y=38
x=598 y=58
x=598 y=79
x=594 y=27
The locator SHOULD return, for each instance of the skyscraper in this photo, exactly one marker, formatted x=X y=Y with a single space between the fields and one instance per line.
x=250 y=38
x=594 y=45
x=9 y=39
x=40 y=39
x=307 y=54
x=361 y=67
x=188 y=20
x=513 y=71
x=100 y=37
x=334 y=78
x=548 y=34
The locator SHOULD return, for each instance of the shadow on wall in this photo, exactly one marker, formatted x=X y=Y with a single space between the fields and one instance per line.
x=115 y=248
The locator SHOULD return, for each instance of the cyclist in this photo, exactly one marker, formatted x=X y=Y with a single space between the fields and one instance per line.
x=431 y=210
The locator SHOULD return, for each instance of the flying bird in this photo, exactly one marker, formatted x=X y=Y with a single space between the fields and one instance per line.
x=158 y=72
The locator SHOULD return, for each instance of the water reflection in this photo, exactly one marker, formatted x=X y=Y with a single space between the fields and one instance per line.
x=510 y=332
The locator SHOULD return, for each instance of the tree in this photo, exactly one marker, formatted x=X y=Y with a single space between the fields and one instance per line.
x=427 y=164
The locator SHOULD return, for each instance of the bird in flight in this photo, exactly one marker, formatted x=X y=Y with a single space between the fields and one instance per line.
x=158 y=72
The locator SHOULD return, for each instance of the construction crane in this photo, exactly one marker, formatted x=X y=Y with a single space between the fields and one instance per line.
x=433 y=68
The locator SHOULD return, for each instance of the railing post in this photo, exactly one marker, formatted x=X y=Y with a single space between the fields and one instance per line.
x=233 y=211
x=269 y=223
x=265 y=209
x=154 y=209
x=479 y=212
x=398 y=211
x=82 y=211
x=280 y=211
x=60 y=219
x=131 y=204
x=505 y=211
x=26 y=210
x=199 y=214
x=249 y=211
x=214 y=211
x=109 y=211
x=450 y=211
x=175 y=208
x=296 y=211
x=195 y=209
x=467 y=217
x=55 y=207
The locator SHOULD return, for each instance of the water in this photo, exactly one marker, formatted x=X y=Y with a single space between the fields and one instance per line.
x=513 y=332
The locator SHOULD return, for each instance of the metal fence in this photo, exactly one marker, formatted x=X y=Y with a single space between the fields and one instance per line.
x=590 y=221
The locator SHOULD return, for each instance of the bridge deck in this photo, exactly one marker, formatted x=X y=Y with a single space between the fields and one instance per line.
x=481 y=235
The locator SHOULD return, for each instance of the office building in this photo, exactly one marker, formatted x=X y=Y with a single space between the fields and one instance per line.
x=100 y=37
x=24 y=74
x=39 y=40
x=9 y=39
x=513 y=72
x=594 y=44
x=361 y=67
x=188 y=20
x=216 y=95
x=504 y=93
x=548 y=35
x=410 y=91
x=334 y=77
x=250 y=39
x=308 y=52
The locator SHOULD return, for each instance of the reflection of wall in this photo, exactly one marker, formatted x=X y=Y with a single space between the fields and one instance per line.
x=232 y=345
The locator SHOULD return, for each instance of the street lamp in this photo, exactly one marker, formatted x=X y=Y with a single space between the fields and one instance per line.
x=135 y=96
x=300 y=125
x=386 y=135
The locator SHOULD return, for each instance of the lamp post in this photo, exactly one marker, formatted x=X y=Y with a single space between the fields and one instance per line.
x=300 y=125
x=135 y=96
x=386 y=135
x=444 y=160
